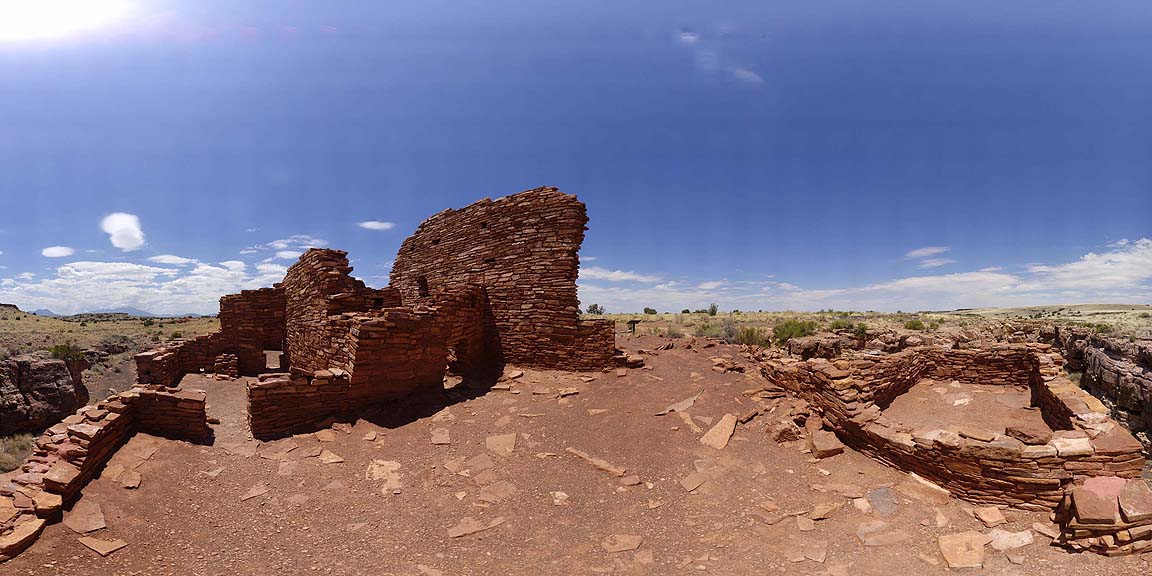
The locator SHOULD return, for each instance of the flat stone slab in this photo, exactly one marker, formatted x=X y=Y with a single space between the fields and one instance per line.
x=718 y=436
x=86 y=516
x=1029 y=432
x=963 y=550
x=103 y=547
x=1091 y=508
x=501 y=444
x=21 y=536
x=825 y=444
x=1073 y=446
x=1004 y=540
x=878 y=533
x=991 y=516
x=1136 y=501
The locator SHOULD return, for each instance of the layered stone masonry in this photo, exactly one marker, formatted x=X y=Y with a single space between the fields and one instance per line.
x=975 y=465
x=1110 y=516
x=72 y=452
x=522 y=249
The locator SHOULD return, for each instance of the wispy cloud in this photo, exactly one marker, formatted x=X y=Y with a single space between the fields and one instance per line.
x=171 y=259
x=935 y=262
x=288 y=254
x=712 y=285
x=376 y=225
x=57 y=252
x=708 y=59
x=123 y=230
x=596 y=273
x=926 y=252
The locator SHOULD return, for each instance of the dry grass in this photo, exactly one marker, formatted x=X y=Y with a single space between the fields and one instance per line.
x=13 y=450
x=21 y=332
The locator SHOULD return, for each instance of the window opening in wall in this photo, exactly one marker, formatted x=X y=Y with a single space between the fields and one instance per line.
x=422 y=286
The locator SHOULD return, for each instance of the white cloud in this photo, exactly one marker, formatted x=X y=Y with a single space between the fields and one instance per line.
x=171 y=259
x=57 y=252
x=711 y=61
x=1121 y=275
x=745 y=75
x=25 y=275
x=234 y=265
x=596 y=273
x=288 y=254
x=376 y=225
x=926 y=252
x=936 y=262
x=123 y=230
x=588 y=258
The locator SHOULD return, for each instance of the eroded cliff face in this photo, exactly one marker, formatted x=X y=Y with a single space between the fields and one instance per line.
x=37 y=393
x=1117 y=370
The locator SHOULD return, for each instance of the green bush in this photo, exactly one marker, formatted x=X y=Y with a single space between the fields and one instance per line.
x=713 y=309
x=840 y=325
x=177 y=335
x=595 y=309
x=861 y=331
x=685 y=311
x=148 y=322
x=1145 y=315
x=792 y=328
x=706 y=330
x=914 y=324
x=649 y=310
x=66 y=351
x=674 y=332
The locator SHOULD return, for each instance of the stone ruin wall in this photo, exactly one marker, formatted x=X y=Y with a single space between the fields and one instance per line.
x=523 y=250
x=69 y=454
x=978 y=466
x=250 y=323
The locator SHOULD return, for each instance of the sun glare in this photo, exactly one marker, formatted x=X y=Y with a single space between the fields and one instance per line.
x=32 y=20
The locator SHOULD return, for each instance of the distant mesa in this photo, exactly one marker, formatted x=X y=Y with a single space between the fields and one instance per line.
x=45 y=312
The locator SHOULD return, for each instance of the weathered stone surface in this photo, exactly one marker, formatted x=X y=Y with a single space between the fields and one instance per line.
x=1091 y=508
x=718 y=436
x=1136 y=501
x=36 y=393
x=964 y=550
x=1029 y=432
x=825 y=444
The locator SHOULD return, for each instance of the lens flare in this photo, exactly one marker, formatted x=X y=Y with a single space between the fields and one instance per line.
x=45 y=20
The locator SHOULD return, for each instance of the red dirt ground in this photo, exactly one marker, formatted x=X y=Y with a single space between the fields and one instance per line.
x=939 y=404
x=321 y=518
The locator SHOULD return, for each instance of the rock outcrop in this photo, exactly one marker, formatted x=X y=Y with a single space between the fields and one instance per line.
x=37 y=393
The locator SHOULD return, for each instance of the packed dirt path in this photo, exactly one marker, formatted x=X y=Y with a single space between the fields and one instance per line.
x=380 y=497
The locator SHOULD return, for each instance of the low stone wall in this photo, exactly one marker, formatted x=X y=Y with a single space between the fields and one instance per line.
x=975 y=465
x=1109 y=516
x=72 y=452
x=593 y=346
x=168 y=363
x=1115 y=369
x=280 y=404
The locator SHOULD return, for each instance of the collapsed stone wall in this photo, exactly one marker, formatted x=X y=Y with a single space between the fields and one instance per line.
x=69 y=454
x=35 y=393
x=167 y=363
x=975 y=465
x=523 y=250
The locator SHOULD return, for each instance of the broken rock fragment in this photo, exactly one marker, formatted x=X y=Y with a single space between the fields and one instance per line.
x=621 y=542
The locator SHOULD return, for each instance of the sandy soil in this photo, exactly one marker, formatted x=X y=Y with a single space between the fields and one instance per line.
x=189 y=516
x=936 y=404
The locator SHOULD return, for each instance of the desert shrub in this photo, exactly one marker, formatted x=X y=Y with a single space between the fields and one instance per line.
x=840 y=325
x=176 y=335
x=13 y=450
x=728 y=329
x=148 y=322
x=595 y=309
x=860 y=331
x=792 y=328
x=1103 y=328
x=674 y=332
x=1145 y=315
x=66 y=351
x=649 y=310
x=685 y=311
x=914 y=324
x=753 y=336
x=155 y=337
x=706 y=329
x=713 y=309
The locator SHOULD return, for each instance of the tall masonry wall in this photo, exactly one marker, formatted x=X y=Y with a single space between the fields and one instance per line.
x=523 y=250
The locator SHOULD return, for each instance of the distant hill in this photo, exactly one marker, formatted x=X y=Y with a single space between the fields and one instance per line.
x=128 y=310
x=45 y=313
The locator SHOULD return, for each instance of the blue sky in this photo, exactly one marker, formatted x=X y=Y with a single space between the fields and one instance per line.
x=762 y=155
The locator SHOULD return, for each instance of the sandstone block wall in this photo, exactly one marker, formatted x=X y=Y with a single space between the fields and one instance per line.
x=852 y=393
x=1118 y=370
x=250 y=323
x=71 y=453
x=281 y=404
x=523 y=250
